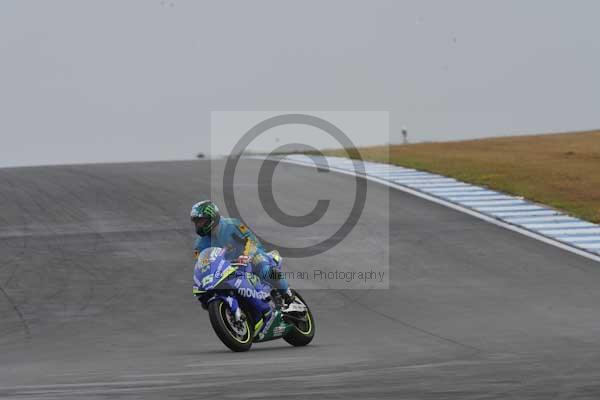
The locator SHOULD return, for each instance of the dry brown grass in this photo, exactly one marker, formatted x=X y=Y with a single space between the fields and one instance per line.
x=561 y=170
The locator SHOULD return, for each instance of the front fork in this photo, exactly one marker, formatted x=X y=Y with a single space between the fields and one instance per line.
x=234 y=306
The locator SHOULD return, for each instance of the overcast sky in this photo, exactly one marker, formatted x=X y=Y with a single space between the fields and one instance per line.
x=112 y=80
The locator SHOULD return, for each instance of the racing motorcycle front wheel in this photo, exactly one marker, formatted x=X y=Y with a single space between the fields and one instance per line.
x=235 y=334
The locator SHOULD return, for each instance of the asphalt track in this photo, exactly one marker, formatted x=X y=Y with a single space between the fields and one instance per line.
x=95 y=296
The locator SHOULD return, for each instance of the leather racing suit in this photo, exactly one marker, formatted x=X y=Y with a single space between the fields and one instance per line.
x=238 y=240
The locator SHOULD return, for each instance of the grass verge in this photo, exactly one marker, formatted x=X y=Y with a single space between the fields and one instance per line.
x=560 y=170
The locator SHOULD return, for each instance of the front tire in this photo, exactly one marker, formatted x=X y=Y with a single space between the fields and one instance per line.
x=301 y=334
x=235 y=335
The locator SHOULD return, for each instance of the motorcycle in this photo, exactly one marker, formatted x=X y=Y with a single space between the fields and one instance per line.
x=243 y=309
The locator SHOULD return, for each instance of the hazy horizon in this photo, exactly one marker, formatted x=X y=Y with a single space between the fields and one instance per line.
x=110 y=81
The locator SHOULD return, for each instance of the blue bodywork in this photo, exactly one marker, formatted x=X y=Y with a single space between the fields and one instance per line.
x=216 y=278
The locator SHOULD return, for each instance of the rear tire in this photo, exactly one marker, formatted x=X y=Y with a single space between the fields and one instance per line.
x=301 y=335
x=237 y=338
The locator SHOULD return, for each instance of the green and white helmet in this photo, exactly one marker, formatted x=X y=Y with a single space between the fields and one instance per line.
x=205 y=216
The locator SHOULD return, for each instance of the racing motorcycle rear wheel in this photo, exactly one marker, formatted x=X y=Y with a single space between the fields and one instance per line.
x=304 y=328
x=237 y=335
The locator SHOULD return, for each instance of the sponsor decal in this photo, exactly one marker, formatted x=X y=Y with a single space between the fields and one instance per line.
x=276 y=257
x=269 y=323
x=220 y=266
x=253 y=279
x=278 y=330
x=255 y=294
x=207 y=279
x=258 y=258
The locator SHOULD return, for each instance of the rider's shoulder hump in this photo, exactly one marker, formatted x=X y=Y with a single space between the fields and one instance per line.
x=231 y=221
x=239 y=225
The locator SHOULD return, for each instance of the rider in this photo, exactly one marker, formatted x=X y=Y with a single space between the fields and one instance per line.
x=240 y=244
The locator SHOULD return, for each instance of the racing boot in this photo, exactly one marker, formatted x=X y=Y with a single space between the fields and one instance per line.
x=288 y=299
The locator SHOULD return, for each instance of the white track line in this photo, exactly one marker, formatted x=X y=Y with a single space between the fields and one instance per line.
x=407 y=174
x=558 y=225
x=525 y=213
x=552 y=218
x=512 y=208
x=503 y=202
x=481 y=198
x=579 y=239
x=576 y=231
x=469 y=194
x=437 y=185
x=422 y=181
x=466 y=189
